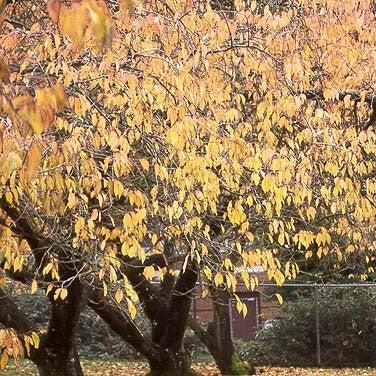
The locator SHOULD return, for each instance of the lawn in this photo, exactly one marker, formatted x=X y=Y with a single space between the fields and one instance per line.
x=119 y=368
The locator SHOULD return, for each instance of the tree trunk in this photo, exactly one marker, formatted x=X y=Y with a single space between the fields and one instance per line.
x=58 y=354
x=172 y=364
x=58 y=365
x=161 y=362
x=217 y=338
x=167 y=308
x=175 y=360
x=226 y=358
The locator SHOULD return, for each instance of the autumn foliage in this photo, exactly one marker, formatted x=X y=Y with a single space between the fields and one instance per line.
x=225 y=140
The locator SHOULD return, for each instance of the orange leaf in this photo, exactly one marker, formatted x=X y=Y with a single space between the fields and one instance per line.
x=74 y=22
x=4 y=71
x=100 y=23
x=59 y=96
x=33 y=159
x=53 y=8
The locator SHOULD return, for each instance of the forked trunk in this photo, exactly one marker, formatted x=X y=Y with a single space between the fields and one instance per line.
x=167 y=309
x=168 y=332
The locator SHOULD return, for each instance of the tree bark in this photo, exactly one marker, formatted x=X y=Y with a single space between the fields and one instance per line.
x=172 y=364
x=63 y=366
x=175 y=360
x=58 y=354
x=161 y=361
x=167 y=308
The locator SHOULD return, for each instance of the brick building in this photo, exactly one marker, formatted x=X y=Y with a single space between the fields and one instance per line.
x=259 y=309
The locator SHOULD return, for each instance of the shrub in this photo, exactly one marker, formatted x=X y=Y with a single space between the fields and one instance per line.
x=347 y=331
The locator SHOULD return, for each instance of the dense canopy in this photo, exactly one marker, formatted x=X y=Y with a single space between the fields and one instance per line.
x=210 y=138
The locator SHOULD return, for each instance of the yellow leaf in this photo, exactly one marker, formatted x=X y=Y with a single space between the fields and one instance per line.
x=154 y=239
x=57 y=293
x=268 y=183
x=239 y=306
x=279 y=298
x=118 y=188
x=204 y=250
x=205 y=293
x=319 y=113
x=4 y=360
x=35 y=120
x=145 y=164
x=9 y=197
x=228 y=264
x=329 y=94
x=119 y=296
x=63 y=294
x=208 y=272
x=71 y=200
x=131 y=308
x=253 y=284
x=218 y=279
x=347 y=101
x=49 y=287
x=34 y=286
x=35 y=340
x=80 y=223
x=245 y=310
x=17 y=264
x=149 y=272
x=33 y=159
x=281 y=238
x=253 y=5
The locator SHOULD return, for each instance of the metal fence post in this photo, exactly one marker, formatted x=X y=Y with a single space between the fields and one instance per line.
x=317 y=319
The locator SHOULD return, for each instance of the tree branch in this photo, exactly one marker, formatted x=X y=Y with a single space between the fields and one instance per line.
x=122 y=324
x=179 y=306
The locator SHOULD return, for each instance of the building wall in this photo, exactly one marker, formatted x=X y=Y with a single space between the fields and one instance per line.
x=260 y=308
